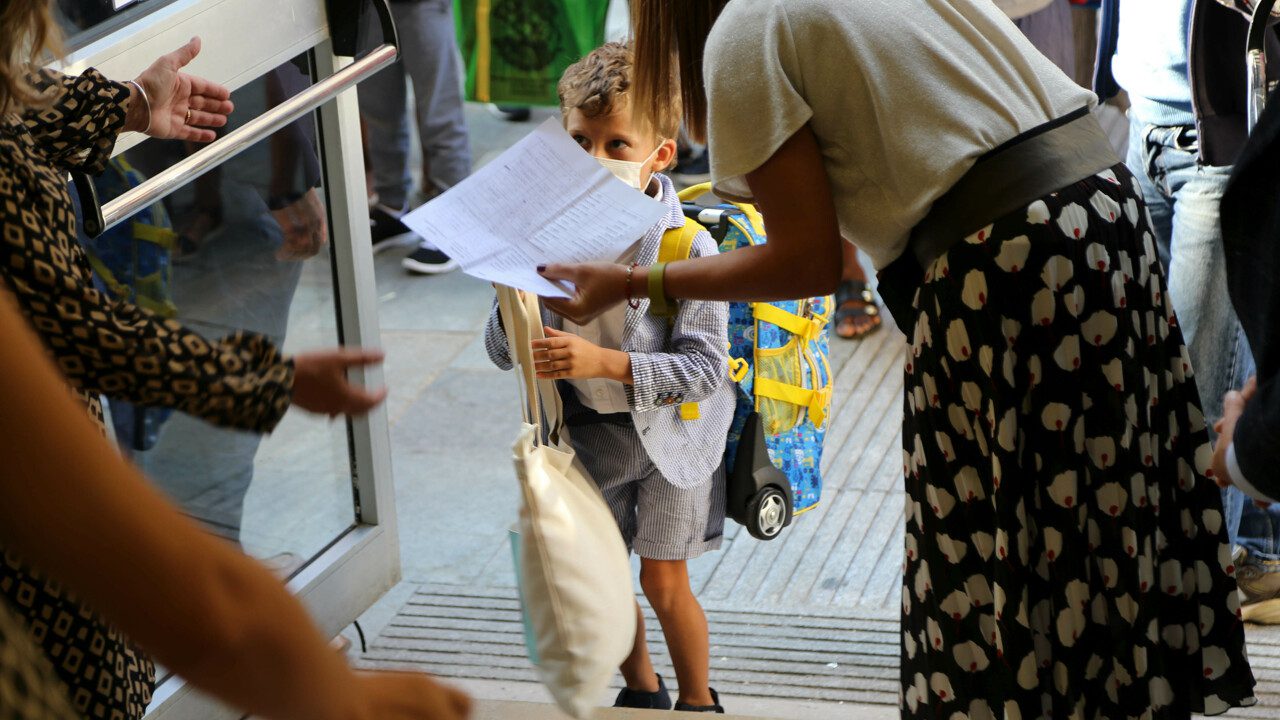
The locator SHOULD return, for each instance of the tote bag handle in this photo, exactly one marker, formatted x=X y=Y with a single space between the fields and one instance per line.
x=522 y=319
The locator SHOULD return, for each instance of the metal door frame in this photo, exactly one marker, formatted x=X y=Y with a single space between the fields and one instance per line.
x=242 y=40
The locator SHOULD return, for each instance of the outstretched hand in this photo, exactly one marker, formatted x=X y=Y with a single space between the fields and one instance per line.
x=408 y=696
x=600 y=286
x=183 y=106
x=320 y=382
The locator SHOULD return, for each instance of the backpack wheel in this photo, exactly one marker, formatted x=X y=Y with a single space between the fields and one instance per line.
x=768 y=512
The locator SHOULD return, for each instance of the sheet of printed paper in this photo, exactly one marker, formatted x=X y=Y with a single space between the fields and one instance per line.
x=542 y=201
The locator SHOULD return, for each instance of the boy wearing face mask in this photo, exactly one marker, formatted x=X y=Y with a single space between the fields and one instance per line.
x=630 y=381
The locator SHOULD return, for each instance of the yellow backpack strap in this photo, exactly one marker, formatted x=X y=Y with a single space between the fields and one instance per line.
x=808 y=328
x=677 y=244
x=162 y=236
x=753 y=216
x=117 y=288
x=693 y=192
x=817 y=402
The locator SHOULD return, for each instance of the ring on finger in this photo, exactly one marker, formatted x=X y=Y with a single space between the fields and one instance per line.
x=187 y=120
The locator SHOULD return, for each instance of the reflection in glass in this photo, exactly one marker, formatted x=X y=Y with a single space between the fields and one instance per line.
x=82 y=20
x=238 y=248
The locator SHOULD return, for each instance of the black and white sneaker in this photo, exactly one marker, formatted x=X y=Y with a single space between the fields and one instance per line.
x=386 y=230
x=429 y=261
x=511 y=113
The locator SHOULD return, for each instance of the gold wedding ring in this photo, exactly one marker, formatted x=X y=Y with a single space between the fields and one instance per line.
x=187 y=121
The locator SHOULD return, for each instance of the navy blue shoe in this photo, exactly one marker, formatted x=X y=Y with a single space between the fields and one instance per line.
x=657 y=700
x=714 y=707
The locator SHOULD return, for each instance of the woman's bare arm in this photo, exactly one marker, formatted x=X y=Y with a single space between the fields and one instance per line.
x=72 y=507
x=802 y=258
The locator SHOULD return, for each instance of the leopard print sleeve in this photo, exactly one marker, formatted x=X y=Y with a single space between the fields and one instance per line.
x=111 y=347
x=78 y=128
x=121 y=351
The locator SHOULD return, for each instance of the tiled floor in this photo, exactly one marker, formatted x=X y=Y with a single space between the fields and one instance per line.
x=810 y=616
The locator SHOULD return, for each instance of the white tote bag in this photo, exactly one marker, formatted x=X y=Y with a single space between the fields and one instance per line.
x=574 y=573
x=1021 y=8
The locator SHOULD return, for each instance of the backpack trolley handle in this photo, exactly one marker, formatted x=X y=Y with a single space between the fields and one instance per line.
x=1256 y=62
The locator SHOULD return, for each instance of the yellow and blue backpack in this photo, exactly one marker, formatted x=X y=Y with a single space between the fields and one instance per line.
x=133 y=262
x=778 y=357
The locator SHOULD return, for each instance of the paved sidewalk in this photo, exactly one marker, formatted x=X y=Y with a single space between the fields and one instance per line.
x=486 y=709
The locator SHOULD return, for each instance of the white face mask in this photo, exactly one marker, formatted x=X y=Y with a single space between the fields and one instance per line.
x=629 y=171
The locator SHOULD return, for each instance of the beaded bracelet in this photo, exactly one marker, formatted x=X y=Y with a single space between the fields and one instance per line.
x=632 y=302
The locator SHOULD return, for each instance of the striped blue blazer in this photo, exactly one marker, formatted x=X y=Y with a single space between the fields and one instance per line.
x=671 y=363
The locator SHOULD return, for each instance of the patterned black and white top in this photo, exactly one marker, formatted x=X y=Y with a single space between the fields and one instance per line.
x=106 y=347
x=29 y=688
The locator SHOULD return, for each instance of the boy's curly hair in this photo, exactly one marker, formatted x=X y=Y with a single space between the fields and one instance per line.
x=600 y=84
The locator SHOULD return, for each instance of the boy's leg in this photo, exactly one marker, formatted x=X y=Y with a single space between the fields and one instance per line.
x=684 y=625
x=673 y=526
x=614 y=457
x=637 y=669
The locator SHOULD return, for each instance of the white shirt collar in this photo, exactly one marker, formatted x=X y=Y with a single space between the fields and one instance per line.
x=658 y=191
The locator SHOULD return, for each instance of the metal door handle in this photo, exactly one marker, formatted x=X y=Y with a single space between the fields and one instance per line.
x=98 y=219
x=1256 y=63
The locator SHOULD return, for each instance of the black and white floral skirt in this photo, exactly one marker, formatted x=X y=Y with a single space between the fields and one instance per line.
x=1066 y=555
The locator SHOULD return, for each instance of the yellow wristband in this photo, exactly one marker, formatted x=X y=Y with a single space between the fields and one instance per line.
x=659 y=304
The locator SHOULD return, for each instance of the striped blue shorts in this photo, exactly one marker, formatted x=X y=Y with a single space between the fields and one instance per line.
x=658 y=520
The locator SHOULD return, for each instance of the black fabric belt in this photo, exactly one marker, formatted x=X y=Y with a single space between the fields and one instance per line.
x=1028 y=167
x=590 y=417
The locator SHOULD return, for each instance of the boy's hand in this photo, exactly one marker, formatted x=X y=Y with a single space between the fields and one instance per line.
x=563 y=356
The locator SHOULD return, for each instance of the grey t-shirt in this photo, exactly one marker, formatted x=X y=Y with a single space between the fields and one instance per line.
x=903 y=96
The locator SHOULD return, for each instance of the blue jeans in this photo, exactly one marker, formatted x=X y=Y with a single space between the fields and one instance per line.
x=1183 y=199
